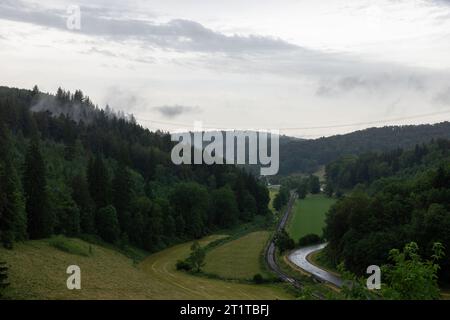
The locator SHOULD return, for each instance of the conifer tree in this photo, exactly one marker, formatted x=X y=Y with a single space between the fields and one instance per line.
x=40 y=222
x=122 y=193
x=12 y=213
x=98 y=179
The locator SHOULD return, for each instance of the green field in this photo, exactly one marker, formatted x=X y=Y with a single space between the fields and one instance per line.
x=308 y=216
x=38 y=271
x=272 y=193
x=238 y=259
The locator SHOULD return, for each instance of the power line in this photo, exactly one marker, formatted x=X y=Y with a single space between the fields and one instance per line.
x=308 y=127
x=370 y=122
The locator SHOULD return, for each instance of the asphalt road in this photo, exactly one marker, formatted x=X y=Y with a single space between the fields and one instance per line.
x=270 y=253
x=299 y=258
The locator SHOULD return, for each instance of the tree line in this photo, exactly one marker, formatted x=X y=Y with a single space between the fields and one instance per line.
x=348 y=171
x=297 y=155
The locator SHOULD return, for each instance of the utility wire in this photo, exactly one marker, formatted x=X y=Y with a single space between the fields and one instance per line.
x=308 y=127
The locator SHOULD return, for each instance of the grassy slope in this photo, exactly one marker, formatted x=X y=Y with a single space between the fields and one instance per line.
x=238 y=259
x=309 y=216
x=38 y=271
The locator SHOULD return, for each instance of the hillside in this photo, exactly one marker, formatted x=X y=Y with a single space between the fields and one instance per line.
x=38 y=271
x=101 y=173
x=309 y=155
x=398 y=197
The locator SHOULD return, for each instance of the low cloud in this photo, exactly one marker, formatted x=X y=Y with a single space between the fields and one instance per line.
x=176 y=110
x=124 y=99
x=371 y=83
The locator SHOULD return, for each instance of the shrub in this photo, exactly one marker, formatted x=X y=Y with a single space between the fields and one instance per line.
x=258 y=278
x=309 y=239
x=70 y=246
x=283 y=241
x=183 y=265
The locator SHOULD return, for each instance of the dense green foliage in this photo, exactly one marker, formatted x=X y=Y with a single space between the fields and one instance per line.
x=197 y=256
x=314 y=184
x=283 y=241
x=409 y=277
x=411 y=206
x=348 y=171
x=309 y=239
x=12 y=205
x=281 y=198
x=68 y=167
x=196 y=260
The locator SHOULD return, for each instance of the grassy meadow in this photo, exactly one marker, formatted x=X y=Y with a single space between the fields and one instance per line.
x=240 y=258
x=308 y=216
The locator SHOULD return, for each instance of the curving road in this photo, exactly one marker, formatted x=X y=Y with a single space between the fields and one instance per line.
x=299 y=258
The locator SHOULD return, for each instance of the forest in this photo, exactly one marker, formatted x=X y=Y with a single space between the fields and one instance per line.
x=392 y=199
x=68 y=167
x=297 y=155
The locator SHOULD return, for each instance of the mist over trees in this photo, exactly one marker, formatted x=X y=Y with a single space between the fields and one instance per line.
x=68 y=167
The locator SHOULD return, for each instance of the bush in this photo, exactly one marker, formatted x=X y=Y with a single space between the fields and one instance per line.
x=283 y=241
x=183 y=265
x=258 y=279
x=309 y=239
x=70 y=246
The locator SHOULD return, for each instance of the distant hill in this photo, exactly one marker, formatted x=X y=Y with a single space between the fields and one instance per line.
x=308 y=155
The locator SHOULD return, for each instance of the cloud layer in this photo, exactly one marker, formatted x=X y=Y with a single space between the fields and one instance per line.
x=177 y=34
x=258 y=64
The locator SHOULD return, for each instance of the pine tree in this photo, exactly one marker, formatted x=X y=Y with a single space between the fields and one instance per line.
x=40 y=221
x=12 y=213
x=108 y=224
x=122 y=192
x=98 y=179
x=314 y=184
x=80 y=194
x=35 y=91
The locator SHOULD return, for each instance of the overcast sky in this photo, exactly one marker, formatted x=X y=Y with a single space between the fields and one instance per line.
x=269 y=64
